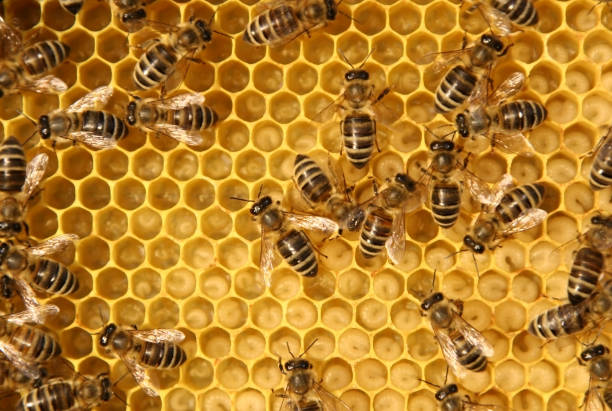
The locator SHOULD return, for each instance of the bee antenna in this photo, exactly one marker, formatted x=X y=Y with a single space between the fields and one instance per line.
x=289 y=349
x=26 y=116
x=433 y=280
x=259 y=192
x=476 y=265
x=29 y=138
x=430 y=383
x=446 y=375
x=242 y=199
x=125 y=374
x=308 y=348
x=348 y=16
x=223 y=34
x=367 y=57
x=345 y=59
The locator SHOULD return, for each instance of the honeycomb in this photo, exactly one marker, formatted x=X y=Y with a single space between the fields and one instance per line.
x=163 y=244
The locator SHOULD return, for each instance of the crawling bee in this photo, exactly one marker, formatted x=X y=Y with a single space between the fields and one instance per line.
x=24 y=67
x=280 y=21
x=502 y=14
x=317 y=189
x=463 y=346
x=600 y=175
x=182 y=117
x=141 y=349
x=597 y=358
x=80 y=123
x=303 y=392
x=450 y=400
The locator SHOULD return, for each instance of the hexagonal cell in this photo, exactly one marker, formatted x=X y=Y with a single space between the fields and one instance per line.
x=146 y=223
x=440 y=18
x=111 y=283
x=286 y=53
x=111 y=164
x=163 y=253
x=580 y=137
x=370 y=18
x=578 y=198
x=250 y=106
x=248 y=53
x=76 y=163
x=404 y=18
x=526 y=169
x=550 y=15
x=336 y=374
x=301 y=78
x=94 y=193
x=93 y=252
x=145 y=283
x=233 y=135
x=163 y=313
x=319 y=49
x=598 y=46
x=58 y=192
x=112 y=46
x=129 y=193
x=388 y=345
x=129 y=253
x=163 y=193
x=562 y=107
x=562 y=46
x=544 y=78
x=233 y=76
x=215 y=283
x=81 y=45
x=111 y=223
x=128 y=311
x=95 y=73
x=216 y=164
x=595 y=107
x=77 y=221
x=267 y=136
x=75 y=343
x=148 y=164
x=561 y=168
x=95 y=16
x=200 y=194
x=56 y=17
x=421 y=48
x=198 y=253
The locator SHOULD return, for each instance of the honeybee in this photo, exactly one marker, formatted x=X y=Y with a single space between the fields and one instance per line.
x=141 y=349
x=462 y=345
x=501 y=122
x=507 y=213
x=59 y=395
x=292 y=243
x=450 y=400
x=317 y=189
x=303 y=392
x=501 y=14
x=280 y=21
x=159 y=60
x=600 y=176
x=23 y=67
x=600 y=373
x=80 y=123
x=182 y=117
x=465 y=81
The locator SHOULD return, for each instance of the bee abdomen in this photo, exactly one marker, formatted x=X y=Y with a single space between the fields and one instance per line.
x=563 y=320
x=44 y=56
x=445 y=204
x=375 y=232
x=584 y=274
x=358 y=131
x=470 y=356
x=162 y=355
x=519 y=199
x=520 y=12
x=103 y=124
x=54 y=278
x=55 y=396
x=311 y=180
x=600 y=176
x=296 y=249
x=454 y=89
x=272 y=26
x=154 y=66
x=73 y=6
x=194 y=117
x=522 y=115
x=12 y=165
x=35 y=344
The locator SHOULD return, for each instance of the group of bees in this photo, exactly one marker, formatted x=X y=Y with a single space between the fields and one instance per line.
x=465 y=95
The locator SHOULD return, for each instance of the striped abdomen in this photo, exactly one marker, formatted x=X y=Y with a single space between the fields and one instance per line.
x=375 y=232
x=600 y=176
x=12 y=165
x=469 y=356
x=520 y=115
x=52 y=277
x=310 y=179
x=521 y=12
x=44 y=56
x=33 y=343
x=584 y=274
x=272 y=26
x=160 y=355
x=55 y=396
x=154 y=66
x=358 y=133
x=519 y=199
x=445 y=203
x=193 y=117
x=454 y=89
x=296 y=249
x=103 y=124
x=558 y=321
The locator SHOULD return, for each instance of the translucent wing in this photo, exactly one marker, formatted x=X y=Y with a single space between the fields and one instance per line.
x=158 y=335
x=93 y=140
x=25 y=365
x=53 y=245
x=191 y=138
x=509 y=87
x=330 y=401
x=447 y=58
x=593 y=400
x=449 y=352
x=180 y=101
x=513 y=143
x=473 y=336
x=500 y=188
x=140 y=375
x=335 y=171
x=11 y=40
x=313 y=222
x=35 y=171
x=266 y=258
x=33 y=314
x=497 y=19
x=29 y=298
x=480 y=190
x=396 y=244
x=47 y=84
x=416 y=198
x=526 y=220
x=95 y=98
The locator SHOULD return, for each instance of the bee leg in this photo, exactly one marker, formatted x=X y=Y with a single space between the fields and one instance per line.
x=280 y=367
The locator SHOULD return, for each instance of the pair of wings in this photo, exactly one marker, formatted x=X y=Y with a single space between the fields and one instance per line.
x=494 y=18
x=320 y=396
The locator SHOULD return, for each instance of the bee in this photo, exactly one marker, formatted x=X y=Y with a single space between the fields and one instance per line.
x=600 y=175
x=317 y=189
x=450 y=400
x=384 y=226
x=464 y=82
x=303 y=392
x=182 y=117
x=600 y=373
x=78 y=122
x=503 y=122
x=24 y=67
x=12 y=379
x=59 y=395
x=463 y=346
x=159 y=60
x=141 y=349
x=291 y=242
x=280 y=21
x=515 y=211
x=501 y=14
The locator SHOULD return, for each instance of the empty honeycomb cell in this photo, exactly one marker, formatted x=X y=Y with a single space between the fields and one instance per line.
x=578 y=198
x=404 y=18
x=510 y=316
x=580 y=77
x=370 y=374
x=129 y=193
x=247 y=53
x=421 y=226
x=267 y=136
x=561 y=400
x=336 y=314
x=457 y=284
x=163 y=193
x=180 y=283
x=198 y=313
x=92 y=313
x=301 y=78
x=560 y=227
x=354 y=47
x=596 y=106
x=526 y=347
x=251 y=166
x=440 y=17
x=282 y=339
x=75 y=343
x=562 y=107
x=437 y=255
x=284 y=107
x=250 y=399
x=215 y=343
x=145 y=223
x=598 y=47
x=111 y=283
x=232 y=373
x=357 y=400
x=199 y=194
x=405 y=315
x=56 y=17
x=543 y=257
x=123 y=78
x=388 y=345
x=64 y=317
x=266 y=313
x=320 y=287
x=94 y=193
x=389 y=400
x=281 y=165
x=477 y=313
x=250 y=344
x=112 y=46
x=388 y=285
x=145 y=283
x=369 y=18
x=233 y=76
x=434 y=371
x=580 y=137
x=421 y=48
x=232 y=253
x=198 y=373
x=561 y=168
x=562 y=46
x=353 y=284
x=543 y=376
x=182 y=164
x=403 y=375
x=81 y=44
x=94 y=73
x=266 y=374
x=526 y=169
x=77 y=163
x=58 y=192
x=232 y=313
x=163 y=253
x=93 y=252
x=387 y=165
x=545 y=78
x=493 y=286
x=338 y=254
x=509 y=375
x=163 y=313
x=422 y=345
x=527 y=47
x=111 y=223
x=250 y=106
x=336 y=374
x=353 y=344
x=147 y=164
x=510 y=256
x=181 y=223
x=180 y=399
x=129 y=253
x=301 y=314
x=301 y=136
x=490 y=167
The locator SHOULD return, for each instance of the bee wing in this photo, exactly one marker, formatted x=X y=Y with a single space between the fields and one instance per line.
x=526 y=220
x=449 y=352
x=53 y=245
x=93 y=140
x=96 y=97
x=35 y=170
x=140 y=375
x=25 y=365
x=191 y=138
x=473 y=336
x=396 y=244
x=33 y=314
x=313 y=222
x=447 y=58
x=593 y=400
x=180 y=101
x=159 y=335
x=11 y=40
x=497 y=19
x=500 y=188
x=513 y=143
x=27 y=295
x=480 y=190
x=509 y=87
x=471 y=406
x=330 y=401
x=266 y=258
x=47 y=84
x=335 y=171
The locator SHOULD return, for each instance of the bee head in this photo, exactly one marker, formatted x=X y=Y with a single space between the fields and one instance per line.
x=444 y=392
x=131 y=113
x=205 y=32
x=473 y=244
x=105 y=387
x=594 y=352
x=601 y=220
x=107 y=334
x=297 y=364
x=431 y=301
x=442 y=145
x=43 y=127
x=462 y=126
x=331 y=9
x=492 y=42
x=357 y=74
x=405 y=181
x=261 y=205
x=132 y=16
